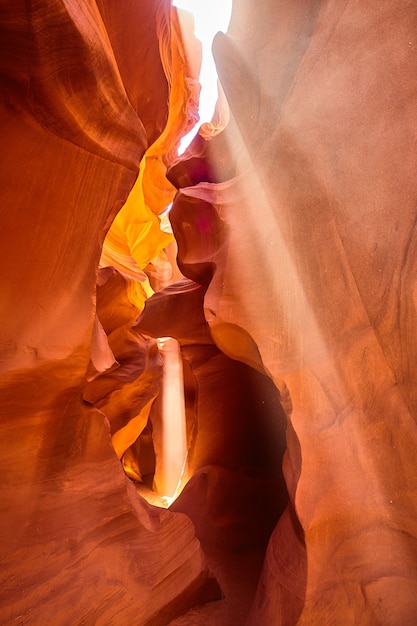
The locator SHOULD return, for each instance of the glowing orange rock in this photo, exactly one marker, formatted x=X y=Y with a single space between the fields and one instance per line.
x=77 y=543
x=233 y=488
x=136 y=238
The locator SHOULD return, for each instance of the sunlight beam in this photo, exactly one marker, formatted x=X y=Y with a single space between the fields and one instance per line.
x=171 y=464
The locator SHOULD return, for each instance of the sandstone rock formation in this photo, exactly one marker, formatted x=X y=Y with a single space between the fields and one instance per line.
x=85 y=93
x=318 y=270
x=236 y=429
x=295 y=295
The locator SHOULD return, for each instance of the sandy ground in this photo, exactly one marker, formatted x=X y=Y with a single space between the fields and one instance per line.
x=237 y=574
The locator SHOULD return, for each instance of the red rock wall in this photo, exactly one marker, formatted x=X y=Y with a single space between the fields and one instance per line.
x=233 y=488
x=298 y=219
x=318 y=271
x=77 y=544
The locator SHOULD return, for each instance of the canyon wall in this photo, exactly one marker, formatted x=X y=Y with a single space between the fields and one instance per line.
x=86 y=91
x=319 y=271
x=295 y=227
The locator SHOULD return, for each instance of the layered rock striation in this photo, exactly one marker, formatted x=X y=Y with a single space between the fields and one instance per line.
x=85 y=93
x=295 y=228
x=318 y=271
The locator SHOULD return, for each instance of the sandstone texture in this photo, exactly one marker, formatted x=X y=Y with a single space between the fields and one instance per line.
x=86 y=91
x=286 y=272
x=318 y=269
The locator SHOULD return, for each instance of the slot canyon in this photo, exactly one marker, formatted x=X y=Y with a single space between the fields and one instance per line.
x=208 y=358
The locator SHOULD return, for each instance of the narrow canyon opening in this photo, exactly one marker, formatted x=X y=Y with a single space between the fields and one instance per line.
x=238 y=299
x=209 y=433
x=211 y=442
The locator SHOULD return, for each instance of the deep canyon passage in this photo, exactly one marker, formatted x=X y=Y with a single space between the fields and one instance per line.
x=268 y=319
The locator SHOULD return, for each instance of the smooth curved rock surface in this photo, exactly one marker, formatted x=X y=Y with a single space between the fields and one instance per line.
x=318 y=270
x=234 y=490
x=298 y=223
x=78 y=545
x=137 y=241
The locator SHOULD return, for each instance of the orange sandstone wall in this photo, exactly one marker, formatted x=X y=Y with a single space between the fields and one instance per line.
x=298 y=219
x=84 y=94
x=318 y=274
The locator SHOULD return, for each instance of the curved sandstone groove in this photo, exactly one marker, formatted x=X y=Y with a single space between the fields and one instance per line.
x=235 y=429
x=77 y=544
x=83 y=548
x=125 y=391
x=319 y=270
x=137 y=242
x=296 y=233
x=74 y=80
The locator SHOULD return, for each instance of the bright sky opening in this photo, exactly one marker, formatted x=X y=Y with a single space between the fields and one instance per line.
x=211 y=16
